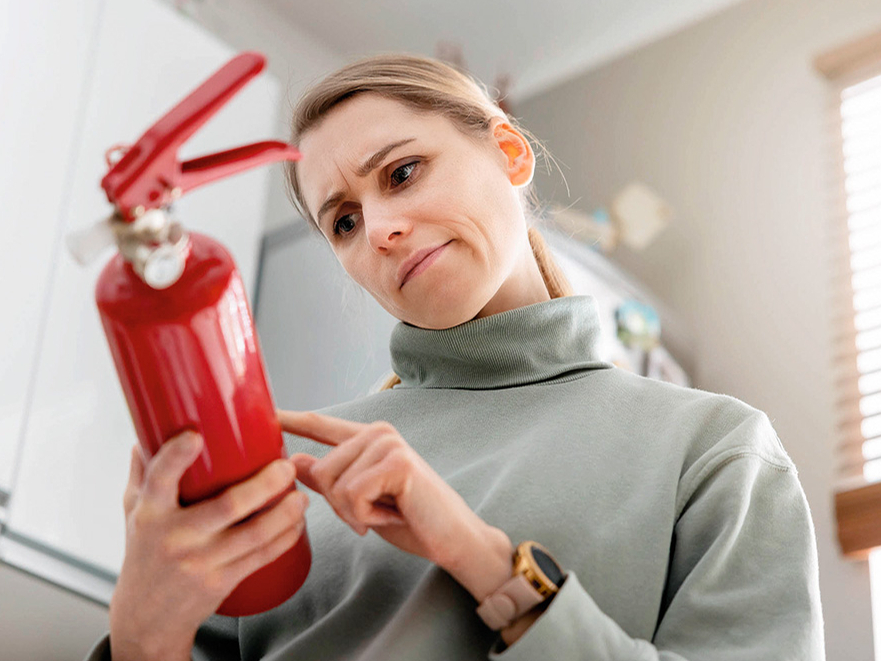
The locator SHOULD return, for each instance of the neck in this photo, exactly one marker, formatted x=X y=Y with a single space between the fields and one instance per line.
x=524 y=286
x=554 y=339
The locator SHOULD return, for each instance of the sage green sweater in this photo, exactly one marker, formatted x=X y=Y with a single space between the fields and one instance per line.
x=676 y=513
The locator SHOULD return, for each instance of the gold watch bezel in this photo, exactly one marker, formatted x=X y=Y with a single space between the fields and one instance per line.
x=526 y=566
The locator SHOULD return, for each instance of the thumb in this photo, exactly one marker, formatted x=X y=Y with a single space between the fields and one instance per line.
x=167 y=467
x=303 y=463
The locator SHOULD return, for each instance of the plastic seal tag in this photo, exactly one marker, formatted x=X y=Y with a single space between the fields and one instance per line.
x=86 y=245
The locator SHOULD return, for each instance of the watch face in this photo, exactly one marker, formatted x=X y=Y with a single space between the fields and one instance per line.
x=548 y=566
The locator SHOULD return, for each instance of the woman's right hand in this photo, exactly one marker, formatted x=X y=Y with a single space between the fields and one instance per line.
x=181 y=562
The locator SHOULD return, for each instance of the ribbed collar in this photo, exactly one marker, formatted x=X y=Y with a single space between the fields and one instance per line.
x=526 y=345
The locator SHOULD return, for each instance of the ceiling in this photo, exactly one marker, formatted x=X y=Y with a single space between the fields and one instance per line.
x=538 y=43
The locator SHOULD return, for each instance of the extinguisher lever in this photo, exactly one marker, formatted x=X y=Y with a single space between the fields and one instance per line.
x=149 y=174
x=204 y=169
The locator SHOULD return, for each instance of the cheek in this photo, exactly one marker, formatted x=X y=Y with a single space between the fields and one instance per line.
x=467 y=202
x=488 y=215
x=366 y=273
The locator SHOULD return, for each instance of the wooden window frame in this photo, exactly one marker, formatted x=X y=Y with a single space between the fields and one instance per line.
x=857 y=504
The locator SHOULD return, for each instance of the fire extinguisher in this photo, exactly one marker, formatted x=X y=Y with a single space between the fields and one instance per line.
x=177 y=319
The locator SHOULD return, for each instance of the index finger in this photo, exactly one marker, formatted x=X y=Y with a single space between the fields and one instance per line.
x=322 y=428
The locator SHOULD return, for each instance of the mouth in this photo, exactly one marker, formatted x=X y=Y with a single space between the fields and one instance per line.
x=418 y=262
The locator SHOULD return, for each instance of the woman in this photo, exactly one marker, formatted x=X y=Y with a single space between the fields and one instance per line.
x=673 y=520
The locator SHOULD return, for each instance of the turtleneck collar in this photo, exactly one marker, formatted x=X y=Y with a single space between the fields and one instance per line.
x=525 y=345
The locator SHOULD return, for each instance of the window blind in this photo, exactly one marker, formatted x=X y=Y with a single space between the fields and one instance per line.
x=855 y=74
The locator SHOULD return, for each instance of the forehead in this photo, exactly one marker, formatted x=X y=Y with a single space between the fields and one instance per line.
x=365 y=121
x=353 y=131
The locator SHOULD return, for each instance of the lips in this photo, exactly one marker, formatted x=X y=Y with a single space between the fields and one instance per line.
x=413 y=261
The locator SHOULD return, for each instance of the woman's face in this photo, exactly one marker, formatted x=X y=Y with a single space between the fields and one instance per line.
x=426 y=219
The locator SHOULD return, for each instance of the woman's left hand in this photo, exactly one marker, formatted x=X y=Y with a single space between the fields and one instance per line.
x=374 y=480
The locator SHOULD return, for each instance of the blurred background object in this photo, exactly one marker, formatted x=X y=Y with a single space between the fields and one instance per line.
x=635 y=217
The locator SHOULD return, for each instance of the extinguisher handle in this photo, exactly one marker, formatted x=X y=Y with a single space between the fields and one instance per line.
x=149 y=174
x=204 y=169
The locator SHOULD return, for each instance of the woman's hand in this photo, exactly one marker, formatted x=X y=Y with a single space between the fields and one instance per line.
x=182 y=562
x=374 y=480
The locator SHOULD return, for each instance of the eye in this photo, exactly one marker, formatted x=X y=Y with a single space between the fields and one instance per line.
x=344 y=225
x=401 y=175
x=400 y=178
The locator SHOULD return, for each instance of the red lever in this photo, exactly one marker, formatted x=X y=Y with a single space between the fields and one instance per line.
x=149 y=175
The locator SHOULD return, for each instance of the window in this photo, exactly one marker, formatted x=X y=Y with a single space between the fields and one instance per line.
x=855 y=75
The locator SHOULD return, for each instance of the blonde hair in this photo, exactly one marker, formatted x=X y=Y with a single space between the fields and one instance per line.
x=426 y=85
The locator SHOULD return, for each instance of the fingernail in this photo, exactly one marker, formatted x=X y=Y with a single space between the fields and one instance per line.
x=193 y=441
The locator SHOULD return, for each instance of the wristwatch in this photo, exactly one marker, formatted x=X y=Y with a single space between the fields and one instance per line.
x=535 y=579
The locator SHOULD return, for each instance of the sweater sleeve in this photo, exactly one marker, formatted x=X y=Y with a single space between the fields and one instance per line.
x=742 y=584
x=216 y=640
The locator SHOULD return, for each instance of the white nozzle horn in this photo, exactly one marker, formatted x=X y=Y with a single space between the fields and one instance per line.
x=86 y=245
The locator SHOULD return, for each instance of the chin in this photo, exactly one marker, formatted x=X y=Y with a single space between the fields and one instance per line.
x=445 y=311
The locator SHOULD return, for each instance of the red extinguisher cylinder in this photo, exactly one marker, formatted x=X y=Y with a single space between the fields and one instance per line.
x=188 y=358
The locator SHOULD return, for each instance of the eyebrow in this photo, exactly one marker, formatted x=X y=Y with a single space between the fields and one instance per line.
x=363 y=170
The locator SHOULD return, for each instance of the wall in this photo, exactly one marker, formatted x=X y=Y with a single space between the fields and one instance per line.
x=293 y=55
x=728 y=121
x=38 y=620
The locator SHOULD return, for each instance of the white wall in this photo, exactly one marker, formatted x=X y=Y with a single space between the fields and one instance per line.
x=293 y=55
x=32 y=206
x=728 y=121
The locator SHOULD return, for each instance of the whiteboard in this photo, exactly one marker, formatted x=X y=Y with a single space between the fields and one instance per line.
x=76 y=435
x=324 y=339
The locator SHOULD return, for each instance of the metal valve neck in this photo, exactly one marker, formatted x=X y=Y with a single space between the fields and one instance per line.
x=155 y=245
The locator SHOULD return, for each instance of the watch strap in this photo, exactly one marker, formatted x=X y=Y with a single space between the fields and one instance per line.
x=514 y=599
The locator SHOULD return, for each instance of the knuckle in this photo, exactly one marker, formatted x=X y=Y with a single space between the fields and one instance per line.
x=158 y=479
x=169 y=548
x=191 y=567
x=398 y=458
x=279 y=475
x=311 y=418
x=294 y=505
x=384 y=427
x=141 y=520
x=339 y=492
x=361 y=510
x=231 y=506
x=282 y=543
x=319 y=474
x=390 y=444
x=215 y=582
x=258 y=534
x=350 y=492
x=266 y=552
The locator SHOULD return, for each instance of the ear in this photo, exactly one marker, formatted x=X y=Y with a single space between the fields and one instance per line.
x=519 y=158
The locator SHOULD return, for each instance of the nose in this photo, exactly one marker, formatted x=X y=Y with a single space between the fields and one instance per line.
x=385 y=228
